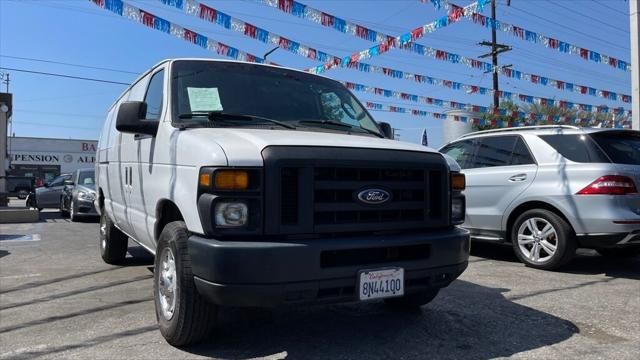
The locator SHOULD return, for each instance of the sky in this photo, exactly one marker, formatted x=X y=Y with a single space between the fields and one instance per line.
x=78 y=32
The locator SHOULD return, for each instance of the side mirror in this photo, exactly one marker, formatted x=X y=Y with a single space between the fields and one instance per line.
x=69 y=182
x=131 y=119
x=386 y=129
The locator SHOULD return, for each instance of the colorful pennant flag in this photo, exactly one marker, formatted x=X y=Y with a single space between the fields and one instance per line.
x=549 y=42
x=454 y=15
x=531 y=119
x=152 y=21
x=217 y=17
x=472 y=107
x=358 y=30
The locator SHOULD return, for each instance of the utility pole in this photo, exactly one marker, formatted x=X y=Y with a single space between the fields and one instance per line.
x=4 y=78
x=396 y=133
x=496 y=49
x=634 y=23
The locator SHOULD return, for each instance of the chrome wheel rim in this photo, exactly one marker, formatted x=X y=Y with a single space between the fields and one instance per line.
x=537 y=240
x=167 y=284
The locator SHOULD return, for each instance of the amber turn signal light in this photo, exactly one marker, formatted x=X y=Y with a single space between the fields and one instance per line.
x=458 y=182
x=231 y=180
x=205 y=179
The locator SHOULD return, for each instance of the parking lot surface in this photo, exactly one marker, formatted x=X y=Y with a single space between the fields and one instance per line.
x=59 y=300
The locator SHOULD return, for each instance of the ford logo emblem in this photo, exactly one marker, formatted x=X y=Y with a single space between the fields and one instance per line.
x=374 y=196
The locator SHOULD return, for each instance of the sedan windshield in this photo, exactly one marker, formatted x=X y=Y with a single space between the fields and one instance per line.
x=86 y=177
x=623 y=147
x=203 y=91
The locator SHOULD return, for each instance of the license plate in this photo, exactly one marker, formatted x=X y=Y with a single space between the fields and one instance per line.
x=381 y=283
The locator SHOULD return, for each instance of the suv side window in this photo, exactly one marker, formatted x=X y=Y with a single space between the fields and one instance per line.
x=461 y=152
x=154 y=95
x=521 y=154
x=494 y=151
x=578 y=148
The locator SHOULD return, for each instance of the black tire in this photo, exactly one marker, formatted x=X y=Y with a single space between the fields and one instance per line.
x=565 y=241
x=72 y=213
x=192 y=317
x=412 y=301
x=22 y=194
x=113 y=242
x=619 y=253
x=64 y=212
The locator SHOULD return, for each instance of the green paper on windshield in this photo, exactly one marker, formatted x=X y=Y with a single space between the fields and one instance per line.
x=204 y=99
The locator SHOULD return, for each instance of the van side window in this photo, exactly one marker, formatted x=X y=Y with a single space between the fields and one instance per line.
x=154 y=95
x=461 y=152
x=494 y=151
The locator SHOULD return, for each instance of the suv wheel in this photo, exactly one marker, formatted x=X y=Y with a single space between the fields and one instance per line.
x=543 y=240
x=113 y=242
x=184 y=316
x=412 y=301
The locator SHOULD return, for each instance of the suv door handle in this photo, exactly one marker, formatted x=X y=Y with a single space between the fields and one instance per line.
x=518 y=178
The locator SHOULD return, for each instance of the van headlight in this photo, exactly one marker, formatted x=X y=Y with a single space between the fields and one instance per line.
x=231 y=214
x=87 y=196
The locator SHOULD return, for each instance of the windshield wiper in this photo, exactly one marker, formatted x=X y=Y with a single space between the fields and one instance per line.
x=340 y=124
x=222 y=116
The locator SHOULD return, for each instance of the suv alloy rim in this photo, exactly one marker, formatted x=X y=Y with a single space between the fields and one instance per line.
x=167 y=284
x=537 y=240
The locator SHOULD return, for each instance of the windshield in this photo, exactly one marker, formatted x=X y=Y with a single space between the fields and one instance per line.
x=295 y=98
x=86 y=177
x=623 y=147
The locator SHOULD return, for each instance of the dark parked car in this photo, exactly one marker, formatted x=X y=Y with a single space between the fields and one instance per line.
x=48 y=196
x=78 y=195
x=20 y=186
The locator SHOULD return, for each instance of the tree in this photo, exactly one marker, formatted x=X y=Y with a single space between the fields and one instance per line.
x=509 y=105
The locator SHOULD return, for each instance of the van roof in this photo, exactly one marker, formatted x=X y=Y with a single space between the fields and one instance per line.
x=151 y=69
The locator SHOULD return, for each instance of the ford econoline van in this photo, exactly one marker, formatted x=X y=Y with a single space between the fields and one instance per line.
x=257 y=186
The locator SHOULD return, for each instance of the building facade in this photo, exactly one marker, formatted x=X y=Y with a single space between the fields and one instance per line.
x=45 y=158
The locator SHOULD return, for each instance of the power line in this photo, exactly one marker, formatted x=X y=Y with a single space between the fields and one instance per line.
x=61 y=114
x=610 y=8
x=589 y=17
x=68 y=64
x=66 y=76
x=570 y=28
x=53 y=126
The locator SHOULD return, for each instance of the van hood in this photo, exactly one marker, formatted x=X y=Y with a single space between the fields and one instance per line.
x=243 y=147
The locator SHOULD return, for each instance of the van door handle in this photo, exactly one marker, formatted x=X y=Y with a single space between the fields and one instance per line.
x=518 y=178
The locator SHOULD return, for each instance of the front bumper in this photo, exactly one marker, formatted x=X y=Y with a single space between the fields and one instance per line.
x=85 y=207
x=267 y=274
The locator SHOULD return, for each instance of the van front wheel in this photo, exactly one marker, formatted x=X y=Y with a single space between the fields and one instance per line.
x=113 y=242
x=184 y=316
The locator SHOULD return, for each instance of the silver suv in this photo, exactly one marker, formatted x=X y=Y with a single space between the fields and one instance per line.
x=548 y=190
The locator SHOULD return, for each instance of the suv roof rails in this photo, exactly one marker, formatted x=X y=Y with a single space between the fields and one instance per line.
x=535 y=127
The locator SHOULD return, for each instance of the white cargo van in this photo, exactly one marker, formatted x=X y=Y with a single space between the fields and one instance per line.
x=256 y=185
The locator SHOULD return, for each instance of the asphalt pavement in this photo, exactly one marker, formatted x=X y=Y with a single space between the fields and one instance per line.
x=59 y=300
